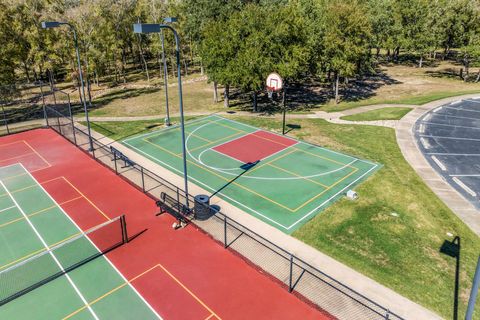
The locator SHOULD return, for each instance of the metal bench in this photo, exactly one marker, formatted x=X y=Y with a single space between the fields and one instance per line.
x=179 y=211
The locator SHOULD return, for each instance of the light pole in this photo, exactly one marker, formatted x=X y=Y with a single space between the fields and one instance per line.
x=56 y=24
x=156 y=28
x=165 y=73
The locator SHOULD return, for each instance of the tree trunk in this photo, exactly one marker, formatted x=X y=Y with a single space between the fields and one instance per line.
x=446 y=51
x=378 y=52
x=255 y=104
x=202 y=71
x=27 y=73
x=226 y=99
x=466 y=72
x=420 y=63
x=143 y=58
x=337 y=83
x=478 y=76
x=186 y=67
x=124 y=62
x=215 y=91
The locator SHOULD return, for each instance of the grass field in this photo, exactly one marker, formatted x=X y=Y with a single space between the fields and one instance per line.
x=379 y=114
x=393 y=232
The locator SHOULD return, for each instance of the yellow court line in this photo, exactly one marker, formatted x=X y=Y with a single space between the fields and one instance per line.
x=204 y=121
x=268 y=162
x=135 y=278
x=223 y=178
x=88 y=200
x=37 y=212
x=191 y=134
x=330 y=187
x=15 y=176
x=188 y=290
x=295 y=174
x=38 y=154
x=38 y=251
x=16 y=157
x=213 y=142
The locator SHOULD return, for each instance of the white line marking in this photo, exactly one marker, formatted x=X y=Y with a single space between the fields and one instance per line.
x=465 y=175
x=93 y=244
x=455 y=154
x=329 y=199
x=450 y=125
x=465 y=187
x=451 y=138
x=425 y=143
x=427 y=117
x=421 y=128
x=456 y=102
x=446 y=115
x=438 y=109
x=51 y=253
x=471 y=100
x=166 y=128
x=439 y=163
x=466 y=110
x=3 y=210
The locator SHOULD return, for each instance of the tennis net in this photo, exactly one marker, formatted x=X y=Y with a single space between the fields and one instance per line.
x=42 y=268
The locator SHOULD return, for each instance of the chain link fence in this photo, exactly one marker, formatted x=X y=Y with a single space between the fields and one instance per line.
x=297 y=276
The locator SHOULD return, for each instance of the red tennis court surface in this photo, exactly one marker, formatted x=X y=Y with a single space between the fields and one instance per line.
x=182 y=274
x=255 y=146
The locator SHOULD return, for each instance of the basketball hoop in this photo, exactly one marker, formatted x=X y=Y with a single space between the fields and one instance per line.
x=274 y=83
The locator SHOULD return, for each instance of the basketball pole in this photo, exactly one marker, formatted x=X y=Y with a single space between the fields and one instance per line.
x=284 y=108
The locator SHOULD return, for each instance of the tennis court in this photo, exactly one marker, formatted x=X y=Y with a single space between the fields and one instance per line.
x=64 y=254
x=280 y=180
x=41 y=241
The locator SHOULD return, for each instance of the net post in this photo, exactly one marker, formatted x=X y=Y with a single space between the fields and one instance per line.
x=115 y=162
x=123 y=223
x=143 y=179
x=290 y=278
x=225 y=232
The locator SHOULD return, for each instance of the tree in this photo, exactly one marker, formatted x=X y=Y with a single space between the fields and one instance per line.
x=345 y=43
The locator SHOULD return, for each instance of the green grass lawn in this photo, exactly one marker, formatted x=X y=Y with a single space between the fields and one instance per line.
x=379 y=114
x=393 y=232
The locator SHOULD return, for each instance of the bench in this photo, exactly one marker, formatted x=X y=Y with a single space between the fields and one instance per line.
x=170 y=205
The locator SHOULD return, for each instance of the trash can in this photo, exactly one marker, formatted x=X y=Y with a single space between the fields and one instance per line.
x=202 y=207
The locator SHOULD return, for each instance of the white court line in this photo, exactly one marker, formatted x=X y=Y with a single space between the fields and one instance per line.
x=3 y=210
x=51 y=253
x=439 y=163
x=167 y=128
x=465 y=187
x=450 y=138
x=93 y=244
x=449 y=125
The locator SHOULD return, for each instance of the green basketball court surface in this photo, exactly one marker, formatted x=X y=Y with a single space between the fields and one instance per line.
x=281 y=181
x=39 y=239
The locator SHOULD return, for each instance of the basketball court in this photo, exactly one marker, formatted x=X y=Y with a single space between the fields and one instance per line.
x=282 y=181
x=66 y=256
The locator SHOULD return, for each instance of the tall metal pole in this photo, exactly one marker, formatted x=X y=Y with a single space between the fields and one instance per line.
x=474 y=292
x=80 y=73
x=165 y=78
x=182 y=119
x=284 y=108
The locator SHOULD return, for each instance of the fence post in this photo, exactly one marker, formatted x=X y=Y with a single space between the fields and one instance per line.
x=290 y=288
x=387 y=315
x=115 y=162
x=71 y=119
x=143 y=179
x=178 y=200
x=59 y=125
x=225 y=232
x=5 y=119
x=43 y=103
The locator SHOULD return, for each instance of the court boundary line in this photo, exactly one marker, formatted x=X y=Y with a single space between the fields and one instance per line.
x=79 y=293
x=138 y=276
x=167 y=128
x=105 y=257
